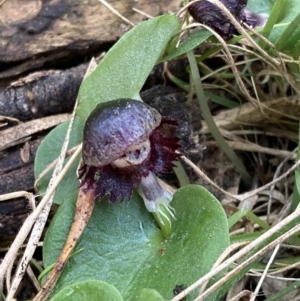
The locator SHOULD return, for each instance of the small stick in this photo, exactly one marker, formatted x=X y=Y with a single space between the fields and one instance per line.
x=84 y=208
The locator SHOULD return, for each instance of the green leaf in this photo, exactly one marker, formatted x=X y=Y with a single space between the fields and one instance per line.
x=193 y=41
x=124 y=69
x=49 y=151
x=274 y=14
x=147 y=294
x=286 y=32
x=221 y=100
x=290 y=36
x=91 y=290
x=123 y=246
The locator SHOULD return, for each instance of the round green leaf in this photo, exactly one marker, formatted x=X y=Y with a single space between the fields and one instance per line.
x=147 y=294
x=89 y=290
x=123 y=246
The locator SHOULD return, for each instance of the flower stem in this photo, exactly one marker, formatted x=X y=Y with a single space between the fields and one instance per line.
x=84 y=208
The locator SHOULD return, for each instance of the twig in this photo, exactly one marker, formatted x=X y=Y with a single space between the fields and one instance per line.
x=19 y=194
x=223 y=256
x=252 y=147
x=277 y=172
x=245 y=195
x=52 y=164
x=31 y=275
x=142 y=13
x=84 y=208
x=204 y=176
x=261 y=280
x=114 y=11
x=239 y=296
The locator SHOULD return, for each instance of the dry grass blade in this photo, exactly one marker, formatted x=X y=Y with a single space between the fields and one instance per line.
x=52 y=165
x=205 y=177
x=231 y=61
x=27 y=226
x=255 y=294
x=223 y=256
x=239 y=296
x=252 y=147
x=246 y=195
x=256 y=256
x=19 y=194
x=114 y=11
x=84 y=208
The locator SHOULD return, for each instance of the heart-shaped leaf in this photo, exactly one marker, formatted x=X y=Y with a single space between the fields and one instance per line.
x=123 y=246
x=147 y=294
x=91 y=290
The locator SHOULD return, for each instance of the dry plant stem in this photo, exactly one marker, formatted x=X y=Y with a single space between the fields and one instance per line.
x=204 y=176
x=42 y=218
x=252 y=147
x=222 y=258
x=217 y=77
x=251 y=259
x=84 y=208
x=243 y=196
x=287 y=279
x=261 y=280
x=276 y=174
x=217 y=71
x=242 y=253
x=239 y=296
x=8 y=275
x=4 y=118
x=107 y=5
x=232 y=65
x=21 y=236
x=255 y=191
x=178 y=14
x=285 y=269
x=31 y=275
x=52 y=164
x=19 y=194
x=142 y=13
